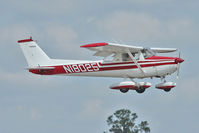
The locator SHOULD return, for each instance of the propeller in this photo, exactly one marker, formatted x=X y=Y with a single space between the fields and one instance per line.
x=178 y=67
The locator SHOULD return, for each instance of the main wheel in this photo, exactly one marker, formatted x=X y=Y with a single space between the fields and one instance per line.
x=140 y=90
x=124 y=90
x=167 y=90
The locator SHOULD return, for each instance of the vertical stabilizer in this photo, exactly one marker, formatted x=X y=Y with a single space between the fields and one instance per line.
x=34 y=55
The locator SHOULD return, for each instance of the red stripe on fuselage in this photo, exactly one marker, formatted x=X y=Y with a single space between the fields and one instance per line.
x=160 y=58
x=134 y=66
x=91 y=67
x=130 y=62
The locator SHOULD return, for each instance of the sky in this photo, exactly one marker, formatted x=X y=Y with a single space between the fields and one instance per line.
x=48 y=104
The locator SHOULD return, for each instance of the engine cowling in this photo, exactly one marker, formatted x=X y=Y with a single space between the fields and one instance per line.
x=167 y=86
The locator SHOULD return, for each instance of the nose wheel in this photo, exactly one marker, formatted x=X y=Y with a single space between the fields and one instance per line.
x=166 y=86
x=167 y=90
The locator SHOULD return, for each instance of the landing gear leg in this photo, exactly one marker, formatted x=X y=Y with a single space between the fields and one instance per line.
x=163 y=79
x=139 y=89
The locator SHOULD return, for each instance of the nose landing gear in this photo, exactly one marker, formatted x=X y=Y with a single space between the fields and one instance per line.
x=166 y=86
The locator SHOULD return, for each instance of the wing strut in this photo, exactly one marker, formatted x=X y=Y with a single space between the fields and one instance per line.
x=135 y=61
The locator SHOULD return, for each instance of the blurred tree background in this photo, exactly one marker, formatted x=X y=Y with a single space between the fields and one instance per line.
x=123 y=121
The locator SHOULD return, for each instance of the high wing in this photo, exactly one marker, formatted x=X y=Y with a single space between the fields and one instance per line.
x=105 y=49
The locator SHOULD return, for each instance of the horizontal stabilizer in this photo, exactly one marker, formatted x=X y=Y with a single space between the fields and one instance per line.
x=40 y=68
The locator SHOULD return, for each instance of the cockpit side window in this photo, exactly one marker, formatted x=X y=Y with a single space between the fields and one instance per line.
x=126 y=57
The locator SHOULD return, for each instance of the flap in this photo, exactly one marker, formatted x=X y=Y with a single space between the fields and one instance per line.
x=40 y=68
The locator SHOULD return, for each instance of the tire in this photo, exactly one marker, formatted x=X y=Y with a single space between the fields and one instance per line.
x=140 y=90
x=167 y=90
x=124 y=90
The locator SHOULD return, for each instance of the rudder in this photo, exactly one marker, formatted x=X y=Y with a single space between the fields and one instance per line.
x=34 y=55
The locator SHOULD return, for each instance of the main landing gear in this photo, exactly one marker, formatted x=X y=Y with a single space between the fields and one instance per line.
x=124 y=90
x=125 y=86
x=140 y=90
x=140 y=87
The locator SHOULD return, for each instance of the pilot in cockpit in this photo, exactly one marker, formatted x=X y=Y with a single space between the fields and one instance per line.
x=126 y=57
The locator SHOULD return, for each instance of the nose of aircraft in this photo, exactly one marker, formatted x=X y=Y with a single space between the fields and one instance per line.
x=179 y=60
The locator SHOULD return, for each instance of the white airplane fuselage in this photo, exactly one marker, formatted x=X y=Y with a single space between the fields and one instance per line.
x=152 y=68
x=125 y=64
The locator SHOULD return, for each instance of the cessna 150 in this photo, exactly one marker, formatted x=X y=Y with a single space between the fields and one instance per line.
x=128 y=62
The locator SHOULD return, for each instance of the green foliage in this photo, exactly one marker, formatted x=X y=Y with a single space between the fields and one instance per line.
x=123 y=121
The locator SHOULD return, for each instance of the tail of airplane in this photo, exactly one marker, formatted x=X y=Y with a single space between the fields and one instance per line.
x=34 y=55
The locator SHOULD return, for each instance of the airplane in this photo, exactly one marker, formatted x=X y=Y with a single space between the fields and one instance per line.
x=128 y=62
